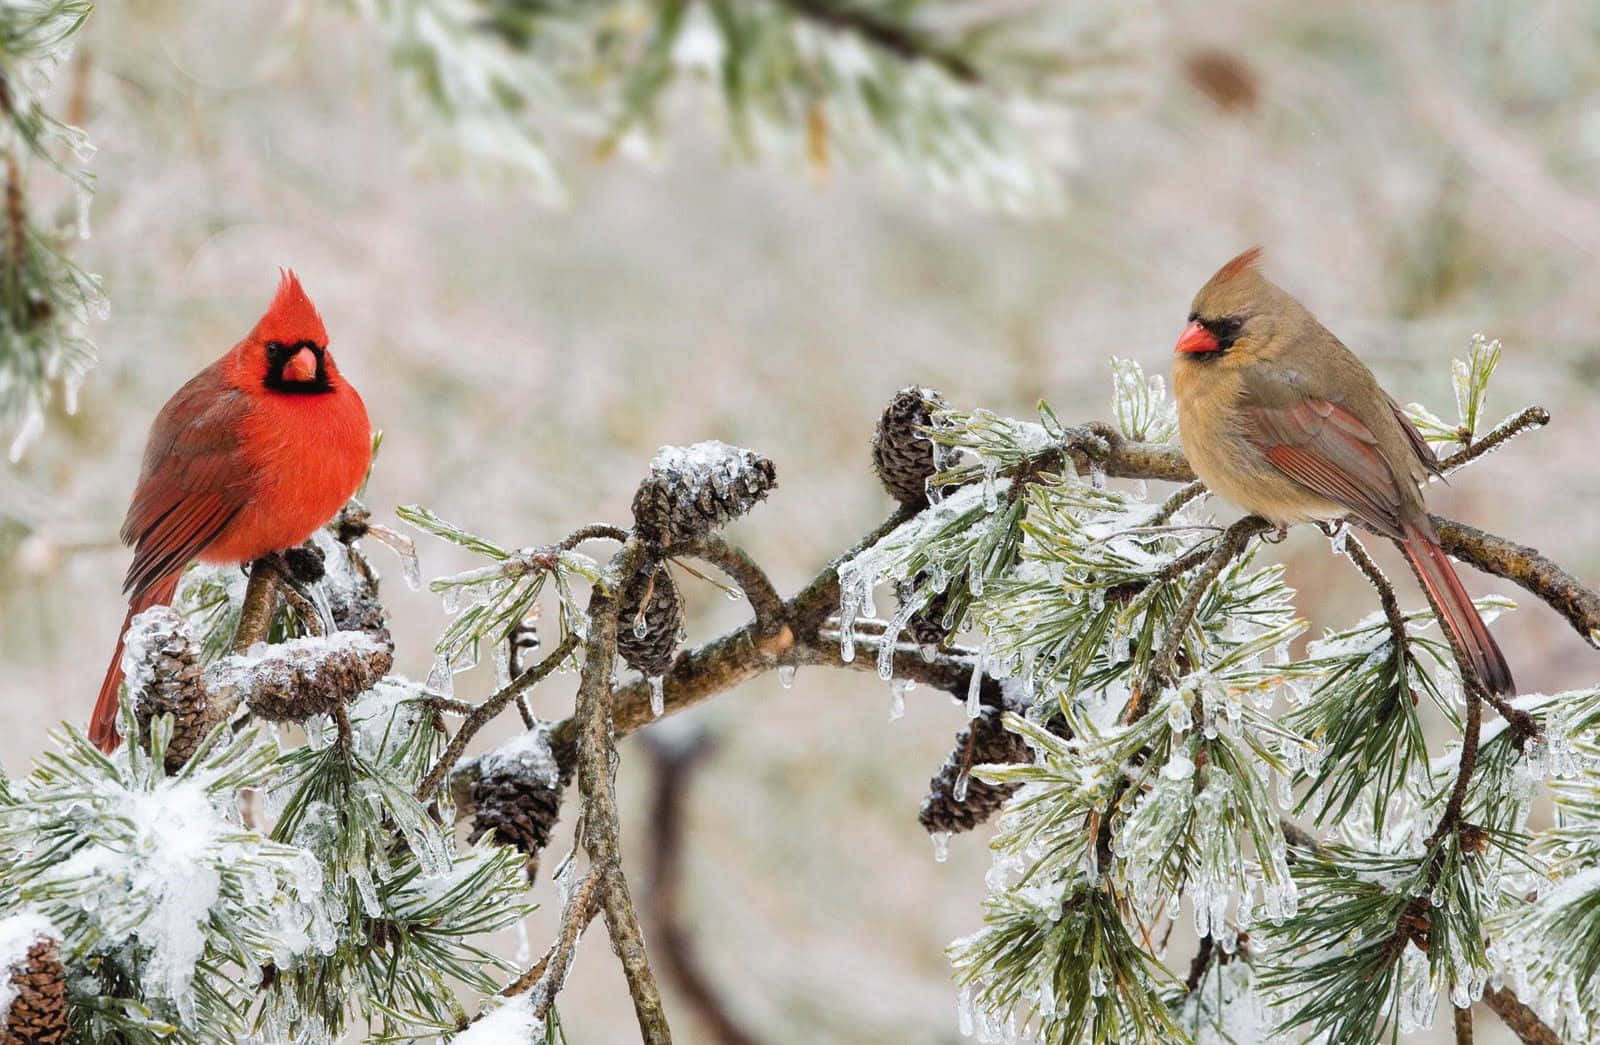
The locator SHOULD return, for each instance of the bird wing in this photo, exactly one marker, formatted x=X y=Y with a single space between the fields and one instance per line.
x=1328 y=450
x=193 y=482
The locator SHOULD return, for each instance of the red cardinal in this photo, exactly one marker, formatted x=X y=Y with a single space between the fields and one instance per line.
x=250 y=457
x=1283 y=420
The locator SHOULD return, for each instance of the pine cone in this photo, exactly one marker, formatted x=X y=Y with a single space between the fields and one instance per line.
x=514 y=791
x=902 y=455
x=926 y=626
x=38 y=1012
x=648 y=640
x=294 y=680
x=167 y=681
x=984 y=741
x=694 y=490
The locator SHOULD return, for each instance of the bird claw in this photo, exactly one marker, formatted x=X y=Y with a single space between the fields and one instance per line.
x=1277 y=536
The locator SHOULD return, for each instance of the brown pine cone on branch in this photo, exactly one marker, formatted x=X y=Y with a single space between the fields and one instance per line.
x=291 y=681
x=649 y=618
x=37 y=1014
x=165 y=679
x=902 y=454
x=515 y=792
x=694 y=490
x=984 y=741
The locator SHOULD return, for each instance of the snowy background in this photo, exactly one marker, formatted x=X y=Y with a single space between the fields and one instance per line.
x=1415 y=176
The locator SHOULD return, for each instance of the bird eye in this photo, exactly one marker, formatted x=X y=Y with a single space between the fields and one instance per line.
x=277 y=352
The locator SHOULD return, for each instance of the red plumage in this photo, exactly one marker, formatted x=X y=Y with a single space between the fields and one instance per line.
x=249 y=457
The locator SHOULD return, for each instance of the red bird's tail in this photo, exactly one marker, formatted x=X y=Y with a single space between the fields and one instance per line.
x=1457 y=613
x=103 y=724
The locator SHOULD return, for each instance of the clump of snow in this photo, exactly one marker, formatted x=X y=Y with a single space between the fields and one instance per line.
x=241 y=669
x=18 y=934
x=527 y=754
x=160 y=873
x=511 y=1024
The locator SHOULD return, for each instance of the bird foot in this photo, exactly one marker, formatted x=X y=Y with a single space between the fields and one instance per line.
x=1277 y=536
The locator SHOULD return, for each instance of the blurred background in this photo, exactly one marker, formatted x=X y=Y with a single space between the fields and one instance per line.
x=1415 y=175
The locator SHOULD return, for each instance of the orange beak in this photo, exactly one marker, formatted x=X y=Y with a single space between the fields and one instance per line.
x=302 y=366
x=1197 y=338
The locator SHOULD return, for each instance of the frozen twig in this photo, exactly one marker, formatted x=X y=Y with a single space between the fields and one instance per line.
x=1518 y=1018
x=764 y=599
x=1232 y=542
x=1532 y=417
x=485 y=712
x=1357 y=554
x=601 y=825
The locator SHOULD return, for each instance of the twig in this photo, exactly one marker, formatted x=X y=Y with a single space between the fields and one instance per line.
x=1228 y=546
x=601 y=826
x=547 y=976
x=893 y=36
x=1170 y=506
x=1463 y=1024
x=1450 y=819
x=1518 y=1018
x=485 y=712
x=764 y=599
x=592 y=532
x=1357 y=554
x=1526 y=567
x=260 y=601
x=1532 y=417
x=304 y=608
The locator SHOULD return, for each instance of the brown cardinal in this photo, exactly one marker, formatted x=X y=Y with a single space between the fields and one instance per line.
x=1283 y=420
x=250 y=457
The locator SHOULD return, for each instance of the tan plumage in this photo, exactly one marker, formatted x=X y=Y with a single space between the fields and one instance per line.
x=1283 y=420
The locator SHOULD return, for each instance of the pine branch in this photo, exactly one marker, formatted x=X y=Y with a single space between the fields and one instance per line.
x=1518 y=1018
x=485 y=712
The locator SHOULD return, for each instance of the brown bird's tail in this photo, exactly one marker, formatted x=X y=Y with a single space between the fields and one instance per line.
x=1456 y=610
x=103 y=724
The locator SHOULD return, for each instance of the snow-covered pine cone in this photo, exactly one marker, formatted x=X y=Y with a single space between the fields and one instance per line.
x=984 y=741
x=693 y=490
x=515 y=792
x=38 y=1011
x=291 y=681
x=902 y=455
x=648 y=640
x=166 y=680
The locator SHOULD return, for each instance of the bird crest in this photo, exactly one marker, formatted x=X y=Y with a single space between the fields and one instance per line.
x=1248 y=260
x=291 y=317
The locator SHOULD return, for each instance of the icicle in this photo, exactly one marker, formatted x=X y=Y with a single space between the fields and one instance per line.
x=502 y=665
x=975 y=683
x=786 y=674
x=941 y=846
x=991 y=495
x=450 y=599
x=959 y=791
x=440 y=678
x=897 y=698
x=964 y=1018
x=1337 y=538
x=658 y=696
